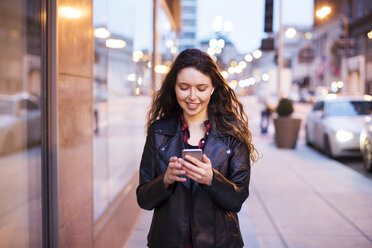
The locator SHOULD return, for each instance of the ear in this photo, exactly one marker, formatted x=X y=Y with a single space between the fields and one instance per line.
x=212 y=91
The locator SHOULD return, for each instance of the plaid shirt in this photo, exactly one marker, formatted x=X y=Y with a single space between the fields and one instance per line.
x=186 y=133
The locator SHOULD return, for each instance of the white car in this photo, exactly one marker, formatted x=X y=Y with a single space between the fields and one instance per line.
x=366 y=144
x=335 y=122
x=20 y=122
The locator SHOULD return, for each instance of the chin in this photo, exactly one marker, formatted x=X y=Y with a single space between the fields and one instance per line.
x=192 y=113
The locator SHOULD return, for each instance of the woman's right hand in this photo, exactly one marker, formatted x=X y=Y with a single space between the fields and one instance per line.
x=173 y=172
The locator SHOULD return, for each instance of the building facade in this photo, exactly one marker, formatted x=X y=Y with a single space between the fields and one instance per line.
x=342 y=46
x=188 y=34
x=71 y=123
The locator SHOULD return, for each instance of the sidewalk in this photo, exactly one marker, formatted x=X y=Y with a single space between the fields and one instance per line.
x=298 y=198
x=302 y=199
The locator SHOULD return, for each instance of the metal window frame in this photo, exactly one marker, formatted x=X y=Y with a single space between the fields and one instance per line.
x=48 y=139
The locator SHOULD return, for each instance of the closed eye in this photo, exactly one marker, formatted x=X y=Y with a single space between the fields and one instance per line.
x=182 y=86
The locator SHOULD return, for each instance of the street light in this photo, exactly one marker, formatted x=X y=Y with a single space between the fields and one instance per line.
x=137 y=55
x=225 y=74
x=369 y=34
x=290 y=33
x=248 y=58
x=115 y=43
x=257 y=54
x=221 y=43
x=102 y=33
x=213 y=43
x=265 y=77
x=70 y=12
x=323 y=12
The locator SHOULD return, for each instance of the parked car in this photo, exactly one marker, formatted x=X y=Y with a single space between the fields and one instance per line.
x=366 y=143
x=20 y=121
x=335 y=122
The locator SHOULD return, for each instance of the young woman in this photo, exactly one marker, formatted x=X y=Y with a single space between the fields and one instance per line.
x=195 y=201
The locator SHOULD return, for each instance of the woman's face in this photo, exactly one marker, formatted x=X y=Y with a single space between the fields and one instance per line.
x=193 y=91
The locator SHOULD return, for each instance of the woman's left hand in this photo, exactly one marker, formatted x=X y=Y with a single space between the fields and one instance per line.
x=199 y=171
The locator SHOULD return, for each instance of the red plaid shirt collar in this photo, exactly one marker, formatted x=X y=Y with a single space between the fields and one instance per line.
x=186 y=132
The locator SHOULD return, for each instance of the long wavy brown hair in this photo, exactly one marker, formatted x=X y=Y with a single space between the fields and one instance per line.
x=225 y=111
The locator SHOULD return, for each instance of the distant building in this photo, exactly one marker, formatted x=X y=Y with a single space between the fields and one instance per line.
x=295 y=68
x=188 y=35
x=360 y=64
x=298 y=56
x=343 y=51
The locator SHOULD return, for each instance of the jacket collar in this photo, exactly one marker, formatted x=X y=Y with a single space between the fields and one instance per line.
x=169 y=126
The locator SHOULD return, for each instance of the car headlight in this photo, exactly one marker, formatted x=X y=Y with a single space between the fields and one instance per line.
x=344 y=136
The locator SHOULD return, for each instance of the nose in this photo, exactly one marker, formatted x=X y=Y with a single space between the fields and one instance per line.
x=192 y=95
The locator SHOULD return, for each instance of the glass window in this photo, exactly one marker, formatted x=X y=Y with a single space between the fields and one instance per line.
x=187 y=35
x=347 y=108
x=20 y=124
x=189 y=10
x=189 y=22
x=360 y=8
x=318 y=106
x=122 y=88
x=349 y=9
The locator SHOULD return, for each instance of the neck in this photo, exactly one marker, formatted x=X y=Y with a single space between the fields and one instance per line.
x=195 y=119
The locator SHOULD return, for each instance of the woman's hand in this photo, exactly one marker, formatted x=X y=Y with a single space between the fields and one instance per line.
x=173 y=172
x=199 y=171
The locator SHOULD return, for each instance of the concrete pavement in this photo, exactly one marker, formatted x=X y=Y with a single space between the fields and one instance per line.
x=298 y=198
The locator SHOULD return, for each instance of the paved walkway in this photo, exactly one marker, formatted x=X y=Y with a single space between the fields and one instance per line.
x=302 y=199
x=299 y=199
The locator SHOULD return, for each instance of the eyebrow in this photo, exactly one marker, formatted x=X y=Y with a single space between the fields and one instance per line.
x=201 y=84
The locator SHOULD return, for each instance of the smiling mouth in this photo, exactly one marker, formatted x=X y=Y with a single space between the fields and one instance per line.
x=192 y=105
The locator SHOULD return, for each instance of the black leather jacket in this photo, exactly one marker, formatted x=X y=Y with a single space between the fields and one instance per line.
x=210 y=210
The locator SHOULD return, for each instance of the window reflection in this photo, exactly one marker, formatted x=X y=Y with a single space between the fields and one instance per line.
x=19 y=113
x=122 y=85
x=122 y=90
x=20 y=124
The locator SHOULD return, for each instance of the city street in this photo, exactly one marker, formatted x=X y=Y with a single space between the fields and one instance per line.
x=298 y=198
x=357 y=165
x=77 y=79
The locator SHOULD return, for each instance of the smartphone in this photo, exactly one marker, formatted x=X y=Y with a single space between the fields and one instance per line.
x=196 y=153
